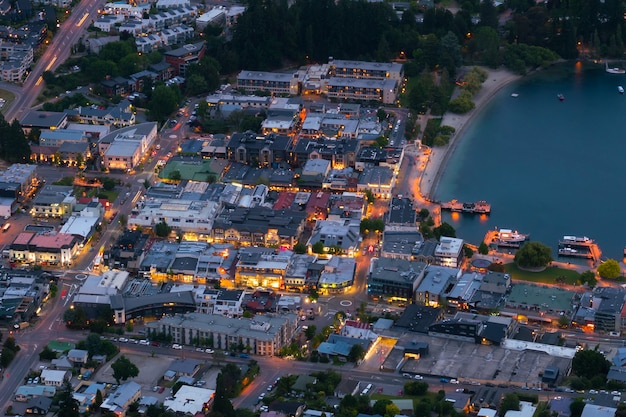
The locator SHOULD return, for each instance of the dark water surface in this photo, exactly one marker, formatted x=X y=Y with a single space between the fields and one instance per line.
x=548 y=168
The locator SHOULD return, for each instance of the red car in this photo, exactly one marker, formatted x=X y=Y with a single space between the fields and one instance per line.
x=157 y=344
x=161 y=389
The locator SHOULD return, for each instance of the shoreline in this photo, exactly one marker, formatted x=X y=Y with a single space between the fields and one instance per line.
x=496 y=80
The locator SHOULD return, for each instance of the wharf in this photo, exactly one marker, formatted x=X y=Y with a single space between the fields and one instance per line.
x=579 y=247
x=479 y=207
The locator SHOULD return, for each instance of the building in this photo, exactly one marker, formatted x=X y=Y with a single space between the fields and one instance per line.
x=26 y=392
x=44 y=249
x=264 y=335
x=229 y=303
x=43 y=120
x=273 y=82
x=401 y=212
x=265 y=150
x=363 y=89
x=340 y=237
x=258 y=226
x=119 y=401
x=261 y=268
x=370 y=70
x=51 y=377
x=185 y=367
x=192 y=218
x=298 y=272
x=401 y=242
x=337 y=276
x=56 y=201
x=394 y=279
x=378 y=180
x=124 y=148
x=190 y=400
x=437 y=279
x=449 y=252
x=608 y=304
x=179 y=59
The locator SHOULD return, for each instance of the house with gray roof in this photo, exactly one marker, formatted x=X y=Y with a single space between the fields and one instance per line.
x=78 y=357
x=185 y=367
x=394 y=278
x=43 y=120
x=433 y=286
x=25 y=392
x=122 y=397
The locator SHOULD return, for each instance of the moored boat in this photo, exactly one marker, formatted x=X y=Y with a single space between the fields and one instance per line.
x=620 y=89
x=560 y=96
x=511 y=236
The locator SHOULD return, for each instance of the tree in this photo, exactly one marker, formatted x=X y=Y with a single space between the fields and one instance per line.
x=318 y=247
x=576 y=407
x=483 y=249
x=123 y=369
x=175 y=175
x=609 y=269
x=369 y=196
x=416 y=388
x=68 y=406
x=444 y=230
x=509 y=402
x=163 y=102
x=564 y=322
x=47 y=354
x=590 y=363
x=310 y=332
x=533 y=255
x=589 y=278
x=357 y=353
x=162 y=229
x=381 y=114
x=299 y=248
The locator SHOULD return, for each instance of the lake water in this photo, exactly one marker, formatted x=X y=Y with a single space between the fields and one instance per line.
x=548 y=168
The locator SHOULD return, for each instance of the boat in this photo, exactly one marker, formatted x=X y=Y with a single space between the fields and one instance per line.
x=453 y=205
x=567 y=250
x=614 y=70
x=482 y=207
x=511 y=236
x=620 y=89
x=560 y=96
x=577 y=239
x=515 y=95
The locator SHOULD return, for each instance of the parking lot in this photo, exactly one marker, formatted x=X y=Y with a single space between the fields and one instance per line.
x=481 y=363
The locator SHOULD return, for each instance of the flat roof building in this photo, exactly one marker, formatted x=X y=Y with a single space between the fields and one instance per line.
x=190 y=217
x=274 y=82
x=394 y=279
x=264 y=334
x=365 y=69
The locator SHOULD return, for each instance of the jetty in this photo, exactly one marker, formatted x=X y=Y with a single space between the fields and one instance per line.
x=479 y=207
x=579 y=247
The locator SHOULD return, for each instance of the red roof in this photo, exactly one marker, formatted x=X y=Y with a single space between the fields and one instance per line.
x=23 y=238
x=57 y=241
x=318 y=203
x=357 y=324
x=285 y=200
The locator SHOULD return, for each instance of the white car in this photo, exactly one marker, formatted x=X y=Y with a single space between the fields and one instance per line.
x=177 y=346
x=144 y=342
x=454 y=381
x=123 y=340
x=210 y=351
x=418 y=377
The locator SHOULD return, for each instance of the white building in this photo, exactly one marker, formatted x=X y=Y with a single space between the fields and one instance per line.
x=449 y=252
x=194 y=217
x=190 y=400
x=53 y=377
x=124 y=148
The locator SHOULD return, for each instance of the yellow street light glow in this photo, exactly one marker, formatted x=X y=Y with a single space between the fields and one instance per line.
x=51 y=63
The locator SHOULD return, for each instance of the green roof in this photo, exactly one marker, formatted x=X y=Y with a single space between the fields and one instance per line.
x=57 y=346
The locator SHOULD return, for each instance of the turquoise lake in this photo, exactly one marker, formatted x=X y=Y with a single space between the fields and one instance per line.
x=548 y=168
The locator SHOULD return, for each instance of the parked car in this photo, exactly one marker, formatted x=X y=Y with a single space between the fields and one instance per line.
x=177 y=346
x=211 y=351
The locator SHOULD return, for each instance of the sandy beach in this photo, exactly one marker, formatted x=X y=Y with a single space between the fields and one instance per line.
x=496 y=80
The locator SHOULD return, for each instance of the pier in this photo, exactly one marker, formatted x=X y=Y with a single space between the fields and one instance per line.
x=579 y=247
x=479 y=207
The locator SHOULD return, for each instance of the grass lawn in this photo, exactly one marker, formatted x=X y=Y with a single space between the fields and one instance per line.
x=8 y=97
x=547 y=276
x=432 y=396
x=110 y=195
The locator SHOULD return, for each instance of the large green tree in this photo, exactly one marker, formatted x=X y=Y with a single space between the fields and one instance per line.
x=123 y=369
x=533 y=255
x=68 y=406
x=590 y=363
x=609 y=269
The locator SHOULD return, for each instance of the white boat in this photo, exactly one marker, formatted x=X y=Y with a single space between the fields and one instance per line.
x=512 y=236
x=614 y=70
x=620 y=89
x=568 y=250
x=577 y=239
x=515 y=95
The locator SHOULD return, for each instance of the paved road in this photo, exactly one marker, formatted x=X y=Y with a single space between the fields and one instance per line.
x=56 y=53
